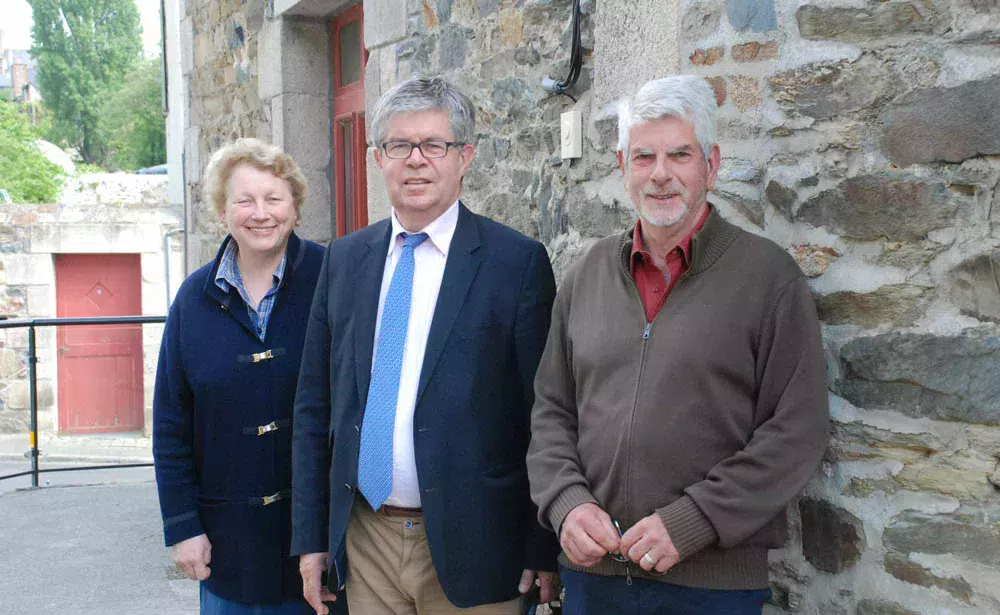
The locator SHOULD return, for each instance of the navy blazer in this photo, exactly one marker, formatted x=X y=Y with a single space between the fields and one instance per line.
x=471 y=422
x=213 y=464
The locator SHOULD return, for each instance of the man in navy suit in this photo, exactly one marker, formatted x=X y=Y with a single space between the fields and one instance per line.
x=412 y=411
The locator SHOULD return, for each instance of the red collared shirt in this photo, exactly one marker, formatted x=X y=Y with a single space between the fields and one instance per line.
x=655 y=284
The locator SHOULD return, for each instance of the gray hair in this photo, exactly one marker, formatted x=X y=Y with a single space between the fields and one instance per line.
x=684 y=96
x=425 y=94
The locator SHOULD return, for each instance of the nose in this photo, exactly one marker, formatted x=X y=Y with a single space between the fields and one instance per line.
x=259 y=211
x=661 y=173
x=416 y=158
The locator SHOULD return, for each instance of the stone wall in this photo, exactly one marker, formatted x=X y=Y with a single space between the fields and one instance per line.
x=863 y=137
x=97 y=213
x=219 y=46
x=231 y=94
x=860 y=135
x=499 y=52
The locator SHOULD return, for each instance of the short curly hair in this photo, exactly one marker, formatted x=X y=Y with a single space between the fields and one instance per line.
x=258 y=154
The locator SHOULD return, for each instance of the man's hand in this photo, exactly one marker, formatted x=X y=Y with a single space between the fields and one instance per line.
x=648 y=544
x=311 y=567
x=587 y=535
x=549 y=582
x=192 y=557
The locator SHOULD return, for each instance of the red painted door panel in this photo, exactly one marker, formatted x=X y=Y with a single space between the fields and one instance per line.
x=100 y=367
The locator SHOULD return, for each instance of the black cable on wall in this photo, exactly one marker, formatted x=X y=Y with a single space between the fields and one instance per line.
x=575 y=61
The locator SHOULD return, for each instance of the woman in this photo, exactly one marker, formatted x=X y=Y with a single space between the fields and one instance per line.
x=225 y=385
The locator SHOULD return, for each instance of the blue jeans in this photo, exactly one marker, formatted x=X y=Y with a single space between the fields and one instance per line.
x=591 y=594
x=215 y=605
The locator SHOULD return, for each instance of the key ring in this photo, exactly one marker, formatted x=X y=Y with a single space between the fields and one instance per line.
x=617 y=555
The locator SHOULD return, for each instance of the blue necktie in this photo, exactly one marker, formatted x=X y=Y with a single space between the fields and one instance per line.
x=375 y=455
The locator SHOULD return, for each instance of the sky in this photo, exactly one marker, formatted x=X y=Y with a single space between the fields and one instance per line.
x=16 y=24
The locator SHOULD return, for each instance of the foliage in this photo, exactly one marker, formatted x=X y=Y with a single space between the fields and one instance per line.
x=25 y=172
x=82 y=168
x=83 y=47
x=132 y=119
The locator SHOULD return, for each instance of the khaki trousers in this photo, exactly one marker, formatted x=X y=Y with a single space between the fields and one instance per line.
x=389 y=569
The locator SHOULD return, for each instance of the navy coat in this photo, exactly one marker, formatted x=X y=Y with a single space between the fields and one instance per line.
x=471 y=423
x=211 y=400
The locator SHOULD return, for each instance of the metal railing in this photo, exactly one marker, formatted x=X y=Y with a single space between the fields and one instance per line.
x=32 y=360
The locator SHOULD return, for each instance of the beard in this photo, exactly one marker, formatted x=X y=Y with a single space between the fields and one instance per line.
x=673 y=215
x=664 y=219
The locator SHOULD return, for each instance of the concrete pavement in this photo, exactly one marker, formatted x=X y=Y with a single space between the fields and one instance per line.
x=88 y=550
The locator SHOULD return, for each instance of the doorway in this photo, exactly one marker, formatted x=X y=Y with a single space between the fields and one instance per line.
x=100 y=367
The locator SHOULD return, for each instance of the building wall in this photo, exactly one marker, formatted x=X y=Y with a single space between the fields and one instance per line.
x=218 y=62
x=175 y=104
x=858 y=135
x=19 y=79
x=231 y=94
x=97 y=213
x=855 y=135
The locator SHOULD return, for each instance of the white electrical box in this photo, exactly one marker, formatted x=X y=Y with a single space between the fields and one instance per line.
x=571 y=124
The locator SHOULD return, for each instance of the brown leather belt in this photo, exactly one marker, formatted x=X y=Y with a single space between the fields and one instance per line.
x=396 y=511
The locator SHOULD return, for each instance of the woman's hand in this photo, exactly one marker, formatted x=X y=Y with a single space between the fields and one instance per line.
x=193 y=556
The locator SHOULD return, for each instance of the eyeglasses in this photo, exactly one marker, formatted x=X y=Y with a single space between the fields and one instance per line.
x=617 y=555
x=399 y=150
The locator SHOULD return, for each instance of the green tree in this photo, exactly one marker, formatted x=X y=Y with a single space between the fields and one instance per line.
x=132 y=119
x=83 y=47
x=25 y=172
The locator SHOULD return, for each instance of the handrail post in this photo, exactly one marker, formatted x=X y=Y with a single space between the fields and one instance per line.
x=33 y=404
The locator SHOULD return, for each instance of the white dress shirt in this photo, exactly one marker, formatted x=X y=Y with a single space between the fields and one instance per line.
x=428 y=268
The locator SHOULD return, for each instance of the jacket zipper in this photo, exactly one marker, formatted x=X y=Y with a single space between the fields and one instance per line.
x=631 y=421
x=635 y=401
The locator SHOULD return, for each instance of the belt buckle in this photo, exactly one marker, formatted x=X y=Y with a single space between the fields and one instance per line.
x=263 y=429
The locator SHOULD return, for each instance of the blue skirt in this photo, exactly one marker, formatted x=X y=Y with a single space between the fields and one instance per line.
x=214 y=605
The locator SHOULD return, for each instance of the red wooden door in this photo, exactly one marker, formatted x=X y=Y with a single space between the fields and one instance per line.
x=349 y=145
x=100 y=367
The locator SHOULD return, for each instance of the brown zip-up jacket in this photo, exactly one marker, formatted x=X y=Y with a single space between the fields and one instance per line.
x=713 y=416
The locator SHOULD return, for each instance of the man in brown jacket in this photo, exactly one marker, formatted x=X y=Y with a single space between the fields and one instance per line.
x=681 y=401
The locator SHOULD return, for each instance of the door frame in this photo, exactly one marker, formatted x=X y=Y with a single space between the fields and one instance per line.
x=349 y=106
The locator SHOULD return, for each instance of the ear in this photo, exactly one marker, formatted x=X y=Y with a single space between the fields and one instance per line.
x=621 y=161
x=467 y=154
x=713 y=162
x=378 y=156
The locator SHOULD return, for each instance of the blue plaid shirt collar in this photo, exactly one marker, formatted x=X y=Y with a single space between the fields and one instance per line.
x=228 y=277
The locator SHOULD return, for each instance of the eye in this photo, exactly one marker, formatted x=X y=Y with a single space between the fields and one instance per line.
x=397 y=149
x=643 y=157
x=434 y=149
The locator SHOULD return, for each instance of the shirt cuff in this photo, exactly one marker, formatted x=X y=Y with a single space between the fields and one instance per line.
x=567 y=500
x=689 y=528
